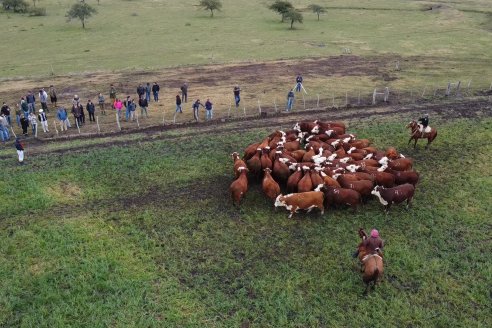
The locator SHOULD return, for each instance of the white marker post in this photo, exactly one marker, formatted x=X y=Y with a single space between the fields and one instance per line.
x=259 y=107
x=36 y=131
x=229 y=112
x=98 y=127
x=275 y=104
x=12 y=129
x=358 y=99
x=163 y=117
x=56 y=129
x=317 y=103
x=78 y=127
x=333 y=98
x=346 y=99
x=138 y=124
x=117 y=121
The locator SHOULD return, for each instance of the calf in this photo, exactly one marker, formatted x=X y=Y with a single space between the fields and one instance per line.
x=341 y=196
x=239 y=187
x=270 y=186
x=395 y=195
x=304 y=201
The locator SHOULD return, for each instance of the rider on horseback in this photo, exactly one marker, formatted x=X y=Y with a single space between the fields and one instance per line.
x=374 y=243
x=424 y=123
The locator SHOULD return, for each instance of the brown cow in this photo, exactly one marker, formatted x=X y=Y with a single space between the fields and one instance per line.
x=250 y=151
x=270 y=186
x=294 y=179
x=395 y=195
x=239 y=187
x=329 y=181
x=254 y=163
x=237 y=163
x=363 y=187
x=305 y=184
x=303 y=200
x=402 y=177
x=384 y=179
x=298 y=154
x=265 y=160
x=280 y=170
x=400 y=164
x=341 y=196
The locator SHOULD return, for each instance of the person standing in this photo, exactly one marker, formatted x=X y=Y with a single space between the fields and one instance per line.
x=20 y=150
x=24 y=107
x=155 y=91
x=18 y=113
x=31 y=102
x=4 y=128
x=34 y=122
x=290 y=100
x=131 y=109
x=184 y=92
x=209 y=108
x=118 y=105
x=43 y=99
x=298 y=82
x=127 y=107
x=100 y=100
x=24 y=124
x=112 y=94
x=237 y=97
x=91 y=109
x=61 y=115
x=44 y=120
x=196 y=106
x=148 y=88
x=178 y=104
x=53 y=97
x=77 y=110
x=140 y=91
x=143 y=103
x=5 y=111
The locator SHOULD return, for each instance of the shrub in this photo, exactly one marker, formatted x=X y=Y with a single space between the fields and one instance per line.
x=17 y=6
x=37 y=11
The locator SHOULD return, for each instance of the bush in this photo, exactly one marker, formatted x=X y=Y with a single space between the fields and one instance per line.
x=37 y=11
x=17 y=6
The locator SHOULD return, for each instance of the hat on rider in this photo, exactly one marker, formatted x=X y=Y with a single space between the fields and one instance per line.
x=374 y=233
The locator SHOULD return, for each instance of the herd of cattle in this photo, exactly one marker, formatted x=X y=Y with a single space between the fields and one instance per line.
x=320 y=165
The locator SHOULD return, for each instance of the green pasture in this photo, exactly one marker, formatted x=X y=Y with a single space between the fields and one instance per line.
x=144 y=235
x=152 y=34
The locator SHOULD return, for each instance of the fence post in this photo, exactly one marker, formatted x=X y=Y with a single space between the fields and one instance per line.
x=36 y=131
x=490 y=88
x=346 y=98
x=117 y=121
x=448 y=89
x=333 y=98
x=98 y=127
x=78 y=127
x=423 y=92
x=54 y=123
x=374 y=97
x=229 y=112
x=15 y=136
x=304 y=101
x=259 y=107
x=358 y=99
x=275 y=104
x=317 y=103
x=458 y=88
x=138 y=124
x=386 y=94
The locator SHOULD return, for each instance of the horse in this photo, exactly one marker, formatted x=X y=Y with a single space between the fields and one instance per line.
x=416 y=134
x=372 y=267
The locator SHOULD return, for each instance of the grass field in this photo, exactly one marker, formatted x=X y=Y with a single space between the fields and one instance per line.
x=143 y=234
x=149 y=35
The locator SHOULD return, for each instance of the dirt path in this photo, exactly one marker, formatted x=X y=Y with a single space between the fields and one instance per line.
x=466 y=109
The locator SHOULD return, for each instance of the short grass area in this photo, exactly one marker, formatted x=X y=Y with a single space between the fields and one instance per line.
x=145 y=235
x=148 y=34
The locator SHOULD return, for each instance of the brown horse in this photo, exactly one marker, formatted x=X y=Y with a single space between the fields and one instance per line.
x=415 y=134
x=372 y=267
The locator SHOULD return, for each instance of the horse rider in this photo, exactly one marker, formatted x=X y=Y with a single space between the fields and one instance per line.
x=374 y=244
x=424 y=123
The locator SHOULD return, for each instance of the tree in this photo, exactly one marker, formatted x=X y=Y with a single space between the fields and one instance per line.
x=281 y=7
x=211 y=5
x=317 y=9
x=81 y=11
x=293 y=15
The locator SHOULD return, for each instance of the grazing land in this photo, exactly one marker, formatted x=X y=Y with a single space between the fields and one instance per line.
x=139 y=231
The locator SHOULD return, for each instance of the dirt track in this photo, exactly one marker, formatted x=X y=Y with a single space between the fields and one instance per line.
x=466 y=109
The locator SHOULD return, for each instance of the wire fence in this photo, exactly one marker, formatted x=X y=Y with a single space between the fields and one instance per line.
x=262 y=104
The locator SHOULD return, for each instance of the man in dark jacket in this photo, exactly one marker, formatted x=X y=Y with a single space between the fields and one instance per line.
x=184 y=92
x=91 y=108
x=24 y=124
x=140 y=91
x=143 y=103
x=196 y=106
x=77 y=110
x=6 y=112
x=237 y=97
x=31 y=100
x=155 y=91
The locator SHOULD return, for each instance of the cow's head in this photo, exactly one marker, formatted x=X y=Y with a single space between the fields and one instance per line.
x=353 y=168
x=235 y=155
x=315 y=130
x=297 y=127
x=320 y=187
x=332 y=157
x=377 y=192
x=351 y=150
x=384 y=161
x=267 y=170
x=382 y=168
x=329 y=133
x=280 y=201
x=369 y=156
